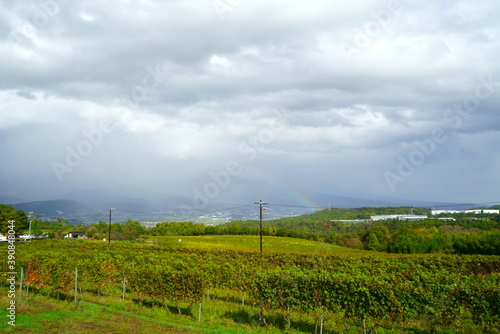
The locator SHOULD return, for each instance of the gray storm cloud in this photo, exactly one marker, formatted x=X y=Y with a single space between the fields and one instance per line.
x=385 y=98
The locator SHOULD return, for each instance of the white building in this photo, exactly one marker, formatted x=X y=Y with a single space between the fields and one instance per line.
x=398 y=217
x=75 y=235
x=437 y=212
x=476 y=211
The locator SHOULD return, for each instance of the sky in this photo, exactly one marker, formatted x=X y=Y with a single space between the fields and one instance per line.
x=375 y=98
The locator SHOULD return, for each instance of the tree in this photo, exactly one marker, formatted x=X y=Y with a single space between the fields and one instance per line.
x=92 y=232
x=36 y=226
x=97 y=231
x=234 y=228
x=402 y=241
x=60 y=225
x=199 y=229
x=272 y=230
x=132 y=230
x=8 y=213
x=372 y=243
x=377 y=238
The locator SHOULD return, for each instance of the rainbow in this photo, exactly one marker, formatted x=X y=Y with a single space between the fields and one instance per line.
x=294 y=194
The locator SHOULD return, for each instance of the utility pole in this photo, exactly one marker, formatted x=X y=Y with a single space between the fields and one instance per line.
x=109 y=229
x=260 y=226
x=30 y=215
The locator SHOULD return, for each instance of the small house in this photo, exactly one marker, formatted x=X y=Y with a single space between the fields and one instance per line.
x=75 y=235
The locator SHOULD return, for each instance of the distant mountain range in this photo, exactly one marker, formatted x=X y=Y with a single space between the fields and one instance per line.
x=235 y=199
x=52 y=207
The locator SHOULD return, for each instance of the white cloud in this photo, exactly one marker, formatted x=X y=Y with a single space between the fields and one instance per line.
x=222 y=81
x=87 y=17
x=218 y=61
x=137 y=122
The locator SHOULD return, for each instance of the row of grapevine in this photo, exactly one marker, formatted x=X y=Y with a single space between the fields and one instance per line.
x=163 y=283
x=389 y=298
x=436 y=290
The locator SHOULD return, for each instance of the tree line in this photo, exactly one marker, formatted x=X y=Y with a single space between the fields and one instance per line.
x=476 y=234
x=427 y=236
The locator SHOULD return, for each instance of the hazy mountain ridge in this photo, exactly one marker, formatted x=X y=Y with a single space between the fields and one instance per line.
x=235 y=201
x=52 y=207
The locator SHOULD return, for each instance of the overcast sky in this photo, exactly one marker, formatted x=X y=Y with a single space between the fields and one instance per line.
x=380 y=98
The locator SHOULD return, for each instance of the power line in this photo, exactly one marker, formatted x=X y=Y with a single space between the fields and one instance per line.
x=130 y=211
x=239 y=206
x=298 y=206
x=211 y=211
x=436 y=206
x=234 y=208
x=468 y=204
x=221 y=209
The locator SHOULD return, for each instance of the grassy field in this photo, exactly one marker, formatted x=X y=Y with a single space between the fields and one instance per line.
x=41 y=314
x=250 y=243
x=105 y=315
x=224 y=309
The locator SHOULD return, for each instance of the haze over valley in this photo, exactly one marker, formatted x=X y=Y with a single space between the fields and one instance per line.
x=185 y=109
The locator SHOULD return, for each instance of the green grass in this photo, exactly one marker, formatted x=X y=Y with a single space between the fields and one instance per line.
x=251 y=243
x=107 y=314
x=222 y=313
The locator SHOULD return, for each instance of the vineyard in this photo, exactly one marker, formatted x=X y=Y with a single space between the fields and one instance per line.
x=321 y=293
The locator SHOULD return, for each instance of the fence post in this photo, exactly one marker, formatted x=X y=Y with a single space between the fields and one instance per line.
x=76 y=287
x=21 y=285
x=124 y=287
x=321 y=322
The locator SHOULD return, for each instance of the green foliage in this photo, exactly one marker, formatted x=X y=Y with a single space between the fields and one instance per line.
x=8 y=213
x=129 y=230
x=377 y=238
x=328 y=215
x=465 y=236
x=164 y=283
x=372 y=243
x=54 y=227
x=177 y=228
x=396 y=236
x=132 y=230
x=477 y=243
x=436 y=290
